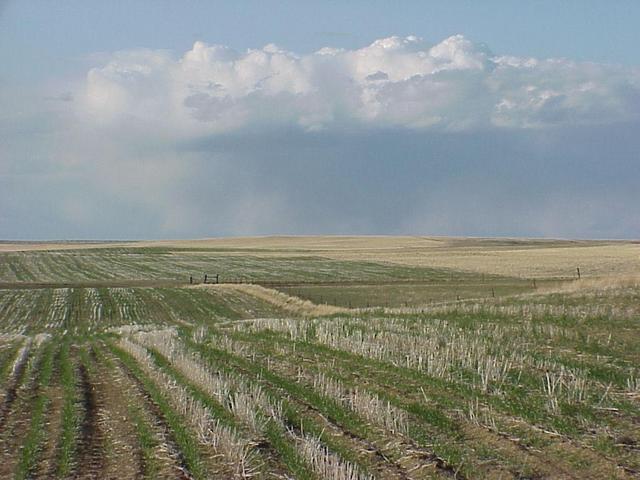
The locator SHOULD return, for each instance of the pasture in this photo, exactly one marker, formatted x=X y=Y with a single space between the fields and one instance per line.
x=320 y=357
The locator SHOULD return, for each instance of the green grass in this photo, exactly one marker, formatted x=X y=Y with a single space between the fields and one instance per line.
x=283 y=389
x=180 y=264
x=147 y=440
x=29 y=453
x=591 y=333
x=421 y=433
x=183 y=436
x=277 y=437
x=70 y=414
x=7 y=359
x=410 y=295
x=515 y=399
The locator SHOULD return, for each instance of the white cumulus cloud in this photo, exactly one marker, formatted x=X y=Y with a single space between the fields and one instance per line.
x=394 y=82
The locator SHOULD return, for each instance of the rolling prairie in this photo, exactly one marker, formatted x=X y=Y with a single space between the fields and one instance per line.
x=320 y=357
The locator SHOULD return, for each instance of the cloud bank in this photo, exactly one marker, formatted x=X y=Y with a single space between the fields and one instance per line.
x=395 y=82
x=398 y=137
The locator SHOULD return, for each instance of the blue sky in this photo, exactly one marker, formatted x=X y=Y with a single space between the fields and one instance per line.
x=53 y=35
x=189 y=119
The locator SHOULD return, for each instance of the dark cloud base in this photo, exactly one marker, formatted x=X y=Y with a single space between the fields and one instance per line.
x=575 y=182
x=570 y=182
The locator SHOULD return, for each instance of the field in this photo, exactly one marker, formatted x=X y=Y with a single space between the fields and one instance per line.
x=344 y=358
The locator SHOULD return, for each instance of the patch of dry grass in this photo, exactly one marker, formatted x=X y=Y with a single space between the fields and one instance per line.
x=601 y=284
x=511 y=257
x=6 y=247
x=520 y=260
x=281 y=300
x=529 y=258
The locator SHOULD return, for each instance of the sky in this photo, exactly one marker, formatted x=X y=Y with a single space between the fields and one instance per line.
x=158 y=119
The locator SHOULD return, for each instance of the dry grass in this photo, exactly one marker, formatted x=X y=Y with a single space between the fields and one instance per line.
x=43 y=246
x=601 y=284
x=468 y=381
x=512 y=257
x=437 y=348
x=278 y=299
x=552 y=261
x=276 y=243
x=303 y=242
x=235 y=449
x=245 y=401
x=325 y=463
x=368 y=405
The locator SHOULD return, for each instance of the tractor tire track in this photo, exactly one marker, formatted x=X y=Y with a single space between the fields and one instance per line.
x=47 y=466
x=91 y=450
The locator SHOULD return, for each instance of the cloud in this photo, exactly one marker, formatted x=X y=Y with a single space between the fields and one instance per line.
x=62 y=97
x=394 y=137
x=394 y=82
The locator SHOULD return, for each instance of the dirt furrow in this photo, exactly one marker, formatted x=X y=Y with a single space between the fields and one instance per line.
x=17 y=419
x=91 y=452
x=415 y=462
x=381 y=465
x=14 y=383
x=123 y=457
x=47 y=465
x=169 y=461
x=523 y=461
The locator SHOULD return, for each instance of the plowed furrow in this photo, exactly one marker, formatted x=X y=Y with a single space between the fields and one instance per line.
x=47 y=465
x=522 y=460
x=379 y=463
x=384 y=466
x=416 y=463
x=161 y=463
x=16 y=428
x=173 y=464
x=125 y=459
x=11 y=392
x=18 y=418
x=91 y=446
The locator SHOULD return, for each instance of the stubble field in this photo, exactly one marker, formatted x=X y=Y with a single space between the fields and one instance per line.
x=320 y=357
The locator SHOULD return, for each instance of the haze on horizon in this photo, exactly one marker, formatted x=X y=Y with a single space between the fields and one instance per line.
x=203 y=119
